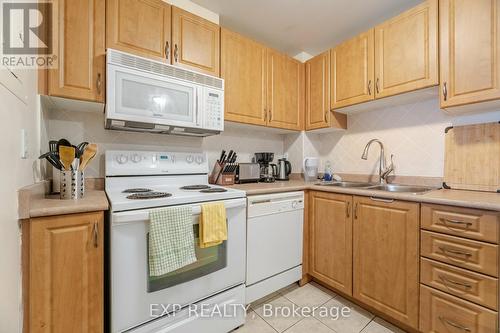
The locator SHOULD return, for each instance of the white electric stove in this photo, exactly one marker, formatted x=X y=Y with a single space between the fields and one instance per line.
x=138 y=182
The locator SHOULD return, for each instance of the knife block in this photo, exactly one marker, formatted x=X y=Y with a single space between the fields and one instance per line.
x=218 y=177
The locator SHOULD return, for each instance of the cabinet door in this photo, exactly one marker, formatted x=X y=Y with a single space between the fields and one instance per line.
x=141 y=27
x=243 y=67
x=66 y=273
x=285 y=91
x=385 y=254
x=406 y=51
x=331 y=239
x=80 y=48
x=352 y=71
x=196 y=42
x=469 y=54
x=318 y=91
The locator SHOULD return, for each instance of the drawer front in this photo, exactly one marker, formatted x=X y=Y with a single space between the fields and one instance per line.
x=477 y=256
x=442 y=313
x=475 y=287
x=464 y=222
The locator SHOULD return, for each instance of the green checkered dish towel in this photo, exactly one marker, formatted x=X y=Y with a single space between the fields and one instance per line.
x=171 y=240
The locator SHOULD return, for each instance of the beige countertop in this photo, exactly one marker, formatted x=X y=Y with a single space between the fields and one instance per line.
x=33 y=202
x=472 y=199
x=51 y=205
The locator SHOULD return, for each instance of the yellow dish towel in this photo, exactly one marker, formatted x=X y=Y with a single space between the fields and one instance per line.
x=213 y=224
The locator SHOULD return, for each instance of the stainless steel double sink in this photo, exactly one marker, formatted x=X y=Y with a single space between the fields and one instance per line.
x=395 y=188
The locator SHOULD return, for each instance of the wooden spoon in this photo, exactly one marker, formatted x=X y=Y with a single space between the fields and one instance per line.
x=67 y=156
x=88 y=155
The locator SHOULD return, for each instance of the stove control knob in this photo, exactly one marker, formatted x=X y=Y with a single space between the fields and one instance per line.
x=199 y=159
x=295 y=204
x=136 y=158
x=122 y=159
x=189 y=159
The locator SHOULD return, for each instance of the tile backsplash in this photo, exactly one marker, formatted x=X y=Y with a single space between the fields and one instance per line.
x=414 y=133
x=87 y=126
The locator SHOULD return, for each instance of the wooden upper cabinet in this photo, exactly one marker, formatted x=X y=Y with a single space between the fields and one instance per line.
x=352 y=71
x=140 y=27
x=195 y=42
x=385 y=251
x=330 y=220
x=318 y=91
x=285 y=91
x=243 y=67
x=406 y=51
x=79 y=45
x=64 y=273
x=469 y=54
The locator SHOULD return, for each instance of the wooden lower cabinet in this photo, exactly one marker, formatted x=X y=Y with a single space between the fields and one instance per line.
x=330 y=231
x=63 y=273
x=385 y=257
x=442 y=313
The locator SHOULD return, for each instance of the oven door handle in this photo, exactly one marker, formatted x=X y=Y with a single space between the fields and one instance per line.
x=135 y=216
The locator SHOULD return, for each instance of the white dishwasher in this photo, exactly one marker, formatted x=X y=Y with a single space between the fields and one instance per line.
x=274 y=242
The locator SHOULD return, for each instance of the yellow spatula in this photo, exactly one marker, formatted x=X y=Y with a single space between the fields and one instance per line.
x=67 y=156
x=88 y=155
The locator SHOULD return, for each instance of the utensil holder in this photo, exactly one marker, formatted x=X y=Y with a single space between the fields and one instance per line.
x=72 y=185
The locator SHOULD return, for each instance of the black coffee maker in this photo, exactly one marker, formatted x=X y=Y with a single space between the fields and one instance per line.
x=268 y=170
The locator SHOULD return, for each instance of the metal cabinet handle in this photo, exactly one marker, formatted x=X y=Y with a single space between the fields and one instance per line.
x=377 y=85
x=445 y=221
x=176 y=53
x=348 y=209
x=370 y=87
x=452 y=323
x=95 y=234
x=98 y=83
x=453 y=251
x=382 y=200
x=167 y=50
x=445 y=91
x=356 y=210
x=326 y=116
x=457 y=283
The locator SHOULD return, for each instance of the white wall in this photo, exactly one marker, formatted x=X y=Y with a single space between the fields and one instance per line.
x=413 y=133
x=15 y=173
x=87 y=126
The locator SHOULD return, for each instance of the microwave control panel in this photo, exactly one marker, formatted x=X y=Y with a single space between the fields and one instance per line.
x=214 y=109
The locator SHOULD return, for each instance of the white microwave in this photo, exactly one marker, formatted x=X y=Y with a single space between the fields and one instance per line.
x=151 y=96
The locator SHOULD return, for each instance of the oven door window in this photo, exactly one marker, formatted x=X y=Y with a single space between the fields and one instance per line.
x=210 y=259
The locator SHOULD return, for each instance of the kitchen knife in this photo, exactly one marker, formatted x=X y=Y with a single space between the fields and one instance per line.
x=222 y=155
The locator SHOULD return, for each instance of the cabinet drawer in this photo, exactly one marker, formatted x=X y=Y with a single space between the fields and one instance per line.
x=477 y=288
x=477 y=256
x=442 y=313
x=464 y=222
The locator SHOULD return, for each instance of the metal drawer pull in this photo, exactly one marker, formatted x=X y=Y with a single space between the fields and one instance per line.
x=445 y=92
x=167 y=49
x=452 y=251
x=176 y=53
x=348 y=209
x=356 y=210
x=452 y=323
x=446 y=281
x=467 y=224
x=382 y=200
x=95 y=234
x=370 y=87
x=98 y=83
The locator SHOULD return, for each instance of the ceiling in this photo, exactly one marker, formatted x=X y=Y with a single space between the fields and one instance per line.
x=311 y=26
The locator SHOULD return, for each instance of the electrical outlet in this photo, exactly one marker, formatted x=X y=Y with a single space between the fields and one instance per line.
x=24 y=144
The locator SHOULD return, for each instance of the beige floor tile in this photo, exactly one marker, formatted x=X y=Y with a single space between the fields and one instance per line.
x=357 y=319
x=255 y=304
x=254 y=324
x=281 y=316
x=309 y=325
x=309 y=295
x=378 y=325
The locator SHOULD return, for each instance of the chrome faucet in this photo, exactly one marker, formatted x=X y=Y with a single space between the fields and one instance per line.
x=383 y=171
